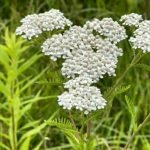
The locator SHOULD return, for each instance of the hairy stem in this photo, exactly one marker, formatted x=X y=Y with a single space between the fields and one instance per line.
x=138 y=129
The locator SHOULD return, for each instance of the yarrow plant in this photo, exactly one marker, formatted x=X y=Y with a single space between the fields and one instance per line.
x=89 y=51
x=87 y=56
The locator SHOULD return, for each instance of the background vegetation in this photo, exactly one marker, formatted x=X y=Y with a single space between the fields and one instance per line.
x=113 y=128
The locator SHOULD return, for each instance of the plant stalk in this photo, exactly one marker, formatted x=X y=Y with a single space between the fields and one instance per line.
x=72 y=120
x=14 y=137
x=14 y=133
x=138 y=129
x=133 y=62
x=88 y=130
x=74 y=124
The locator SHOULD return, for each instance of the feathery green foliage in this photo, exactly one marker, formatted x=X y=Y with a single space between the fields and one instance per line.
x=16 y=130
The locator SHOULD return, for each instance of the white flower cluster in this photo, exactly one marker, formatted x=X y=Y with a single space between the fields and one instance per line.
x=108 y=28
x=88 y=57
x=35 y=24
x=131 y=19
x=74 y=39
x=56 y=47
x=141 y=37
x=83 y=98
x=89 y=52
x=77 y=46
x=92 y=64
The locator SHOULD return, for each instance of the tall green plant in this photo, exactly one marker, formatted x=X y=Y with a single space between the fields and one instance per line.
x=13 y=133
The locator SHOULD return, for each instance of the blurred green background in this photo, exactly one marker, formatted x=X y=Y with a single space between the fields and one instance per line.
x=116 y=126
x=77 y=10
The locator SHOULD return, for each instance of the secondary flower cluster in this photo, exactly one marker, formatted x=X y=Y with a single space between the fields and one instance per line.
x=141 y=36
x=108 y=28
x=89 y=52
x=131 y=19
x=35 y=24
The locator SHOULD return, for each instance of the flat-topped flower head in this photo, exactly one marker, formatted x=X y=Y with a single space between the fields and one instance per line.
x=57 y=46
x=132 y=19
x=83 y=98
x=30 y=27
x=53 y=20
x=141 y=38
x=74 y=39
x=35 y=24
x=108 y=28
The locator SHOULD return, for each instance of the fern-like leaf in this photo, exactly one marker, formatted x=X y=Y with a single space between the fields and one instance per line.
x=120 y=90
x=117 y=91
x=67 y=129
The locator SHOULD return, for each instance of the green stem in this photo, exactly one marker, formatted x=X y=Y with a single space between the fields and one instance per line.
x=88 y=130
x=74 y=124
x=83 y=123
x=14 y=137
x=14 y=133
x=72 y=120
x=133 y=62
x=138 y=129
